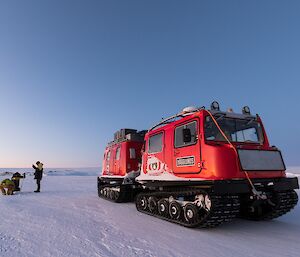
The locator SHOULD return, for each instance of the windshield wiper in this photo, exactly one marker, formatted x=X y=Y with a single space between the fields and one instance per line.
x=250 y=121
x=220 y=117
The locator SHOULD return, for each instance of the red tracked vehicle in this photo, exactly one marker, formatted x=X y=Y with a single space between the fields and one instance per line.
x=205 y=167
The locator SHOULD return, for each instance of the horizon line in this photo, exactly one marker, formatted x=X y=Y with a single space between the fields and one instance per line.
x=82 y=167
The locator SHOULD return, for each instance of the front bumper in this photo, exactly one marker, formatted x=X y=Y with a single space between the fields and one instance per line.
x=243 y=186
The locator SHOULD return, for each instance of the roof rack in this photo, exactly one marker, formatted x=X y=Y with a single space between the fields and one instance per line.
x=186 y=111
x=123 y=135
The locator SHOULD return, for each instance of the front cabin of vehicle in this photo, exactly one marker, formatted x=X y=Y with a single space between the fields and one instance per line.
x=248 y=149
x=194 y=147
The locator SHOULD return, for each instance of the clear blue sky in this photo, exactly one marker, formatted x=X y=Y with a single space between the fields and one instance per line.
x=73 y=72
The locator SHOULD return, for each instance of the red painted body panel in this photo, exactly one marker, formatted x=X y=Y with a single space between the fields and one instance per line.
x=212 y=160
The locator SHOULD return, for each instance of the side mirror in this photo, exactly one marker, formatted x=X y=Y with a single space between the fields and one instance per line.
x=187 y=135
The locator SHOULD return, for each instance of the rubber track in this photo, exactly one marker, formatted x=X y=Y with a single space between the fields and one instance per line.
x=224 y=208
x=286 y=202
x=120 y=199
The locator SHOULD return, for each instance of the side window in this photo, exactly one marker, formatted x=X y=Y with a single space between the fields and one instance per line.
x=155 y=143
x=118 y=151
x=132 y=154
x=108 y=156
x=186 y=134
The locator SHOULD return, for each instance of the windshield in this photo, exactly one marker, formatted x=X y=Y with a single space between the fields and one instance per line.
x=237 y=130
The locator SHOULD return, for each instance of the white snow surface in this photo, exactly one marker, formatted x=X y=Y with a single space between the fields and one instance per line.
x=68 y=219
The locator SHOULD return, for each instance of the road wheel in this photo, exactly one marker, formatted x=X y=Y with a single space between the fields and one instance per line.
x=175 y=210
x=163 y=207
x=191 y=214
x=152 y=203
x=141 y=203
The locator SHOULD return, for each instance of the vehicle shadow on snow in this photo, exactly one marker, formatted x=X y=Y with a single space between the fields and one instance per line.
x=257 y=227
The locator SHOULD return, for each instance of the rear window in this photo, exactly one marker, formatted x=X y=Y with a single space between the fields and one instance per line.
x=118 y=151
x=155 y=143
x=108 y=156
x=132 y=154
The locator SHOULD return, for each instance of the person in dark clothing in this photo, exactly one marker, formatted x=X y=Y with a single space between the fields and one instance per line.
x=16 y=179
x=38 y=175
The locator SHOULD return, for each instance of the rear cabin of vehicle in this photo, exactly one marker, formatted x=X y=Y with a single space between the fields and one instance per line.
x=120 y=165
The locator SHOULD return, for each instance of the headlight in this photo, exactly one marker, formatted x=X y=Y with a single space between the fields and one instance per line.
x=246 y=110
x=215 y=106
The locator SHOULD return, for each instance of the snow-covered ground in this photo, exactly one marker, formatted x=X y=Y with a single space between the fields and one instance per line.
x=53 y=171
x=68 y=219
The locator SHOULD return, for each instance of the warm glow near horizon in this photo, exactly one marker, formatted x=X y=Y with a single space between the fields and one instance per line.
x=51 y=165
